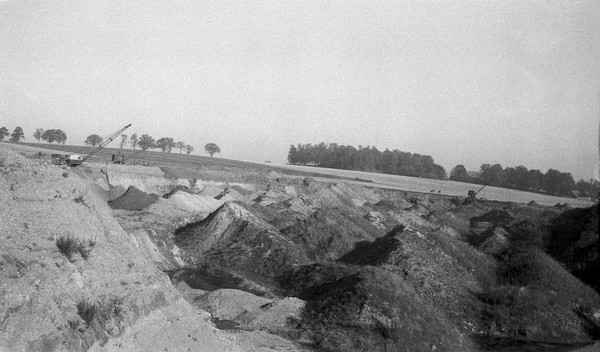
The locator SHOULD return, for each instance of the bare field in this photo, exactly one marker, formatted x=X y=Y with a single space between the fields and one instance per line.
x=396 y=182
x=446 y=187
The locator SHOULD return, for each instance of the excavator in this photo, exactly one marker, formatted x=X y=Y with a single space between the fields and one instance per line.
x=471 y=195
x=78 y=159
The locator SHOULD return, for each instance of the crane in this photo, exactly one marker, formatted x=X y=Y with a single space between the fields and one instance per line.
x=78 y=159
x=472 y=194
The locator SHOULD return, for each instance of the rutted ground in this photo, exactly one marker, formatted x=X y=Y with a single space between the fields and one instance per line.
x=286 y=263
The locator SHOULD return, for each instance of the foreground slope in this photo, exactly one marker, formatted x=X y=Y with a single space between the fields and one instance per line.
x=71 y=279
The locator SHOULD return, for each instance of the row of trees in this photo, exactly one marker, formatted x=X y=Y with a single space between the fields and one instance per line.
x=552 y=182
x=146 y=142
x=53 y=135
x=365 y=159
x=15 y=137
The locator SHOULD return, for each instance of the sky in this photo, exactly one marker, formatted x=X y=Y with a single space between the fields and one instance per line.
x=467 y=82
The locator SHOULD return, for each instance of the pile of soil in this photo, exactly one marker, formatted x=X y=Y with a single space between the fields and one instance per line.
x=194 y=203
x=234 y=238
x=366 y=308
x=133 y=199
x=176 y=189
x=116 y=192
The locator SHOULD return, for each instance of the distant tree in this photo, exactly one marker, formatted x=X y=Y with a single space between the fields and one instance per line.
x=189 y=149
x=293 y=155
x=587 y=189
x=17 y=135
x=211 y=148
x=459 y=173
x=123 y=140
x=165 y=144
x=551 y=181
x=180 y=146
x=3 y=133
x=52 y=136
x=146 y=142
x=520 y=177
x=566 y=184
x=535 y=179
x=60 y=136
x=93 y=140
x=48 y=136
x=492 y=172
x=38 y=134
x=133 y=140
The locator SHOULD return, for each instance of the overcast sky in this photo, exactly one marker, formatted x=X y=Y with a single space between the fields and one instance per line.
x=515 y=83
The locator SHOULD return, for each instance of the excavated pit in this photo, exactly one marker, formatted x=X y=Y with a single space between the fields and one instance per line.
x=265 y=238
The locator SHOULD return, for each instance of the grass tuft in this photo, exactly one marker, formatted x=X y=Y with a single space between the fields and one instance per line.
x=68 y=246
x=87 y=310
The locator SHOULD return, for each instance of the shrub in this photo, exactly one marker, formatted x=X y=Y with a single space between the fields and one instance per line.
x=104 y=316
x=87 y=310
x=68 y=246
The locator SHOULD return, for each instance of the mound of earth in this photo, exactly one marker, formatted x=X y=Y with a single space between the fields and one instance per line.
x=233 y=237
x=177 y=188
x=367 y=309
x=194 y=203
x=211 y=191
x=250 y=312
x=422 y=262
x=115 y=193
x=133 y=199
x=329 y=233
x=494 y=241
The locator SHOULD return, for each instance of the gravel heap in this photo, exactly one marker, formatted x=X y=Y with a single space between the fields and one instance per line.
x=133 y=199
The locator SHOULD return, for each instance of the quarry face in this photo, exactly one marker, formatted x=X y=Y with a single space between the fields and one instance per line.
x=108 y=257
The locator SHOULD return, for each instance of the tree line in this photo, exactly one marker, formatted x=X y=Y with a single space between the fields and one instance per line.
x=147 y=142
x=144 y=142
x=50 y=136
x=552 y=182
x=368 y=158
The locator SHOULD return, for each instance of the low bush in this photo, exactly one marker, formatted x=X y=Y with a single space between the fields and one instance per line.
x=68 y=245
x=87 y=310
x=103 y=316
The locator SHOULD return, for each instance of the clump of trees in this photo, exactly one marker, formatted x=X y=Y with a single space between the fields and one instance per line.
x=166 y=144
x=133 y=140
x=211 y=148
x=3 y=133
x=52 y=135
x=370 y=159
x=552 y=182
x=146 y=142
x=17 y=135
x=93 y=140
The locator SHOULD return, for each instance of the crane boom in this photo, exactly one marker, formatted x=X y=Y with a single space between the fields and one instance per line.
x=105 y=143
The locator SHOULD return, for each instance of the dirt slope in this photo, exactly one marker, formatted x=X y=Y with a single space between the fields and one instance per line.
x=101 y=293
